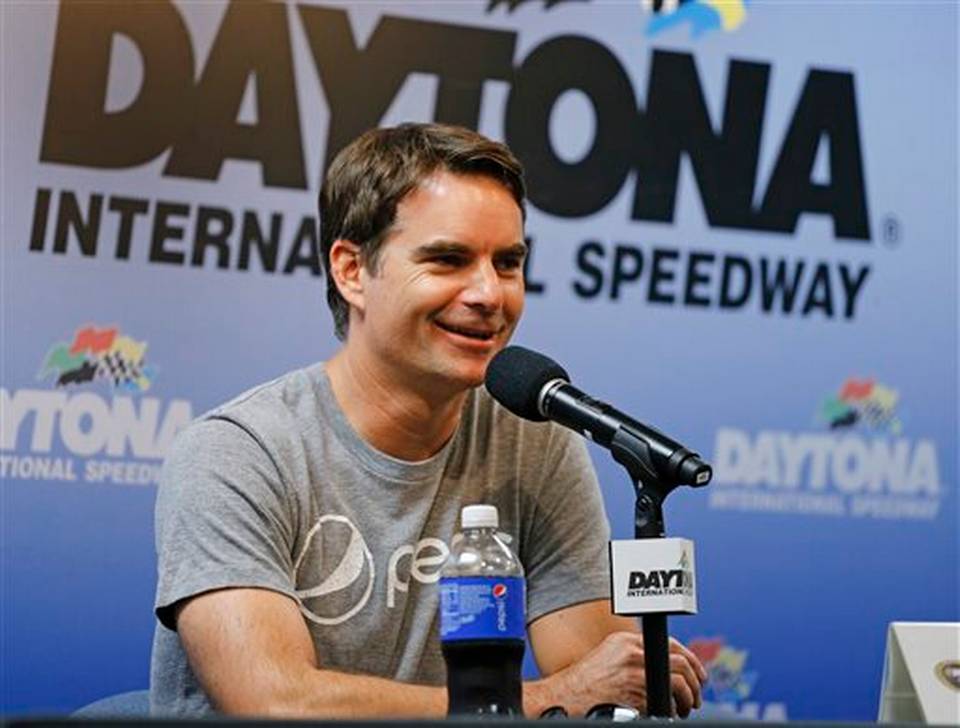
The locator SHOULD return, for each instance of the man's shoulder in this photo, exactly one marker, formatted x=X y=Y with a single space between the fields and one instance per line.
x=268 y=411
x=287 y=395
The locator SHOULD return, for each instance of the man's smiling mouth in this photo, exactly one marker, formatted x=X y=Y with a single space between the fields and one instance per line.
x=480 y=334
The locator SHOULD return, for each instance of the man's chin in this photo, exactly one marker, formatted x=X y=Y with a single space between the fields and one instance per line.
x=467 y=370
x=470 y=379
x=466 y=376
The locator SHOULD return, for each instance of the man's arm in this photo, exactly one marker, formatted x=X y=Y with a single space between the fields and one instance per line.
x=252 y=652
x=590 y=655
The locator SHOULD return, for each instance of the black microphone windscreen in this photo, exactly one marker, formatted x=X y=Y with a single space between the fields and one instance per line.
x=516 y=377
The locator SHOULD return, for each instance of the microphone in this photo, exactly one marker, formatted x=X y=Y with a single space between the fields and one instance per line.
x=535 y=387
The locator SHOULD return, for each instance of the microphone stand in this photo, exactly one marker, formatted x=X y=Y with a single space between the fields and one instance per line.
x=651 y=490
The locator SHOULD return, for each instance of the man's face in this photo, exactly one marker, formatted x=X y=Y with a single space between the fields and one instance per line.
x=447 y=290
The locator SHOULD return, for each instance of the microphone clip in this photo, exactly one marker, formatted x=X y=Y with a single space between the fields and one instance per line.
x=651 y=490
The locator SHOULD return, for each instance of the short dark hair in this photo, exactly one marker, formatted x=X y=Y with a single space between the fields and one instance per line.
x=369 y=177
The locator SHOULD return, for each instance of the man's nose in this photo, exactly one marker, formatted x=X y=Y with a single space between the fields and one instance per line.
x=485 y=287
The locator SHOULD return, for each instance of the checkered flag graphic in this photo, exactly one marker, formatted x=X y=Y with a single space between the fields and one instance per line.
x=114 y=366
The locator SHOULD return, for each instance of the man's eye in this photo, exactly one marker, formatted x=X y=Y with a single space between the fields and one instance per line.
x=450 y=259
x=510 y=263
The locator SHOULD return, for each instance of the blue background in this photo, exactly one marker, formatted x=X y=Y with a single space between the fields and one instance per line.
x=807 y=597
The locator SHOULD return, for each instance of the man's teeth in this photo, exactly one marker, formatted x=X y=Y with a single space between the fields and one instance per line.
x=473 y=334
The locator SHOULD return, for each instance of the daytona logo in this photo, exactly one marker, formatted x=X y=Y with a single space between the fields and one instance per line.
x=88 y=424
x=819 y=473
x=849 y=464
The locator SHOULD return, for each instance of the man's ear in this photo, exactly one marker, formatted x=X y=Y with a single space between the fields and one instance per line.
x=345 y=267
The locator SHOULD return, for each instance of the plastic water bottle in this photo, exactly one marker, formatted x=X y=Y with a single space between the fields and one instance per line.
x=482 y=619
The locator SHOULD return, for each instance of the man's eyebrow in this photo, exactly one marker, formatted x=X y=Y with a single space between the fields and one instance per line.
x=515 y=249
x=439 y=247
x=448 y=247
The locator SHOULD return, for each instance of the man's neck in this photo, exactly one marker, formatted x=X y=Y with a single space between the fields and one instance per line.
x=404 y=421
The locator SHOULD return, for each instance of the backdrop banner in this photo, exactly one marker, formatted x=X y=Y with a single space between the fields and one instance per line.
x=743 y=225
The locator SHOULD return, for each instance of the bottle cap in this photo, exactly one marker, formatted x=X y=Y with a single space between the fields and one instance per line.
x=479 y=517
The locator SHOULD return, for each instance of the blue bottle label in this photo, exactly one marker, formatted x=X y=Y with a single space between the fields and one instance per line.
x=482 y=608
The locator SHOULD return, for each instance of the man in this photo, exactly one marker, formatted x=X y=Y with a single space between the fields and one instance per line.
x=301 y=527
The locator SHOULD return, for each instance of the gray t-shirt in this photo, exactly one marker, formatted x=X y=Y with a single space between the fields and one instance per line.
x=276 y=490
